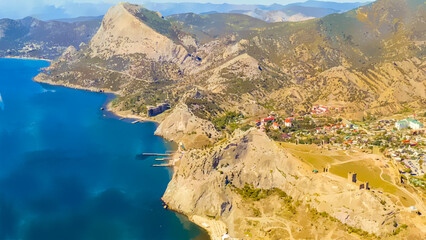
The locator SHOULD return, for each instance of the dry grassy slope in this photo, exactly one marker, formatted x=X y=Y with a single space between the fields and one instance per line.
x=354 y=57
x=371 y=58
x=201 y=185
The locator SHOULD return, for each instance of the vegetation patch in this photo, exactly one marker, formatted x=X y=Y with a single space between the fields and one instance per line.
x=230 y=121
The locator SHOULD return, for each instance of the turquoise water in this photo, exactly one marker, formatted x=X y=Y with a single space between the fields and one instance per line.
x=68 y=172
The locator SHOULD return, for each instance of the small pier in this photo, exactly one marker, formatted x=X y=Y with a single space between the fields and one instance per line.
x=163 y=165
x=157 y=154
x=161 y=156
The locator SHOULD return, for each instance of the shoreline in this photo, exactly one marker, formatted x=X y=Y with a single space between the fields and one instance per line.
x=28 y=58
x=123 y=116
x=216 y=229
x=106 y=105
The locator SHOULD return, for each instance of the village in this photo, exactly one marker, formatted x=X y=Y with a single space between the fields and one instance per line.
x=400 y=141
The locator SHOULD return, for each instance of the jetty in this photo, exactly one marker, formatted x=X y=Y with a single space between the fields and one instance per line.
x=135 y=121
x=163 y=159
x=163 y=165
x=157 y=154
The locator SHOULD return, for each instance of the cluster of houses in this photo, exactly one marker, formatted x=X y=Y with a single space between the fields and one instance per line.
x=403 y=141
x=272 y=122
x=410 y=156
x=320 y=109
x=408 y=123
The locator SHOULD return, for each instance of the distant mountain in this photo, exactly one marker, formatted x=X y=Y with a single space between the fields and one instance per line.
x=275 y=12
x=342 y=7
x=79 y=19
x=30 y=37
x=176 y=8
x=272 y=13
x=61 y=10
x=292 y=13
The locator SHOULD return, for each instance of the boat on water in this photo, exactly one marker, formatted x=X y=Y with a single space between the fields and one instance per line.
x=1 y=103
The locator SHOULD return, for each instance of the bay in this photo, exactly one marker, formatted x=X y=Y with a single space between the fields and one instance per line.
x=67 y=171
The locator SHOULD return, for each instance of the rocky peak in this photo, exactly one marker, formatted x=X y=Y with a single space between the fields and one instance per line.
x=124 y=32
x=69 y=54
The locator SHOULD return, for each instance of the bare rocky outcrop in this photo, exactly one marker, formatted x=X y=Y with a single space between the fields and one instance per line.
x=206 y=183
x=182 y=126
x=69 y=54
x=123 y=33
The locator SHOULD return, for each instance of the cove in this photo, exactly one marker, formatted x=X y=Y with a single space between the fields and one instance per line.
x=67 y=171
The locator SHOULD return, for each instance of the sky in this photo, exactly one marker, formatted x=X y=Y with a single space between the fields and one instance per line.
x=59 y=8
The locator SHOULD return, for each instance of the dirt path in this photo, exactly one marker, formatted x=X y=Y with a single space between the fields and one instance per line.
x=419 y=203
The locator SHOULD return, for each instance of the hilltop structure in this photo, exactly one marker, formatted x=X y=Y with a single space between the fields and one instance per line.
x=409 y=122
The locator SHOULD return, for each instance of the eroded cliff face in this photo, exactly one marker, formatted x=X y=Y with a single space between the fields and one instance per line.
x=220 y=183
x=182 y=126
x=123 y=33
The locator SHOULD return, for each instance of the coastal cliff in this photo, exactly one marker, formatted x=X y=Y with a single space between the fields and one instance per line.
x=258 y=190
x=242 y=182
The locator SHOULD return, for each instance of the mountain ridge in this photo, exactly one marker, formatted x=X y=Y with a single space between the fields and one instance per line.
x=30 y=37
x=285 y=55
x=366 y=61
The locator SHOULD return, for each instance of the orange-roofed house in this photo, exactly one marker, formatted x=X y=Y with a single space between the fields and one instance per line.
x=275 y=126
x=287 y=122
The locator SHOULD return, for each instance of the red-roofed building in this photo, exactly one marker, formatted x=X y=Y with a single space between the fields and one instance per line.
x=268 y=119
x=287 y=122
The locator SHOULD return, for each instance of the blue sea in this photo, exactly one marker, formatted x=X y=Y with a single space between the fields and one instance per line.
x=68 y=172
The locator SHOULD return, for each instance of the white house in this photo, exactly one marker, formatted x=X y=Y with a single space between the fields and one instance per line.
x=287 y=122
x=413 y=124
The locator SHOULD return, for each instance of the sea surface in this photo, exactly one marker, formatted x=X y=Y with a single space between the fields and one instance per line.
x=67 y=171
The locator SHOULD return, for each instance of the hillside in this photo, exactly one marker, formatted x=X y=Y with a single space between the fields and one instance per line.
x=261 y=191
x=30 y=37
x=217 y=69
x=356 y=60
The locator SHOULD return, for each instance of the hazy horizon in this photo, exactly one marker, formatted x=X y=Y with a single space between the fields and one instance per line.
x=54 y=9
